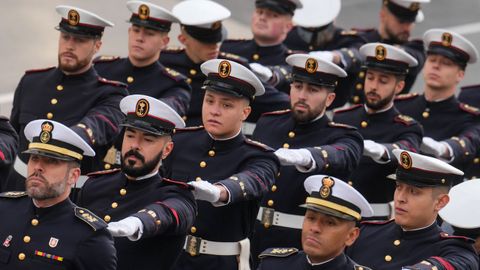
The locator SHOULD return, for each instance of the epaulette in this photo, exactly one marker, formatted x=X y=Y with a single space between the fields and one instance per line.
x=277 y=112
x=258 y=144
x=349 y=33
x=289 y=52
x=351 y=108
x=90 y=218
x=229 y=56
x=340 y=125
x=404 y=119
x=187 y=129
x=173 y=50
x=104 y=172
x=178 y=183
x=406 y=96
x=471 y=87
x=235 y=40
x=445 y=235
x=361 y=267
x=105 y=59
x=110 y=82
x=38 y=70
x=377 y=222
x=470 y=109
x=174 y=75
x=277 y=252
x=363 y=29
x=13 y=194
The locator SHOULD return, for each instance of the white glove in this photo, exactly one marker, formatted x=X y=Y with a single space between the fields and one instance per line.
x=262 y=72
x=434 y=148
x=373 y=150
x=205 y=191
x=131 y=227
x=297 y=157
x=324 y=55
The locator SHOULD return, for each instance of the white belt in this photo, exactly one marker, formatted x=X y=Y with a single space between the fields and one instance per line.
x=268 y=216
x=381 y=209
x=196 y=245
x=21 y=168
x=248 y=128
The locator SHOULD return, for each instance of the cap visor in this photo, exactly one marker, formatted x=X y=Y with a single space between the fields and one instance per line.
x=49 y=154
x=327 y=211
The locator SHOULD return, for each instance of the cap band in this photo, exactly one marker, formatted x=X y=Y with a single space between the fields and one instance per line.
x=452 y=52
x=154 y=23
x=393 y=66
x=423 y=178
x=206 y=35
x=55 y=149
x=316 y=78
x=403 y=13
x=335 y=206
x=150 y=123
x=230 y=85
x=279 y=6
x=81 y=28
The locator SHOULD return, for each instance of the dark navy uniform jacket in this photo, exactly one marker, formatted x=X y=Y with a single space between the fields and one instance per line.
x=111 y=196
x=85 y=102
x=154 y=80
x=275 y=258
x=244 y=167
x=345 y=42
x=8 y=150
x=336 y=148
x=389 y=128
x=63 y=236
x=414 y=47
x=179 y=60
x=471 y=96
x=384 y=245
x=447 y=120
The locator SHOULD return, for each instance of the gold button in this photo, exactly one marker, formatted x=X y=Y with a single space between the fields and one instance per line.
x=34 y=222
x=255 y=56
x=54 y=101
x=350 y=183
x=107 y=166
x=26 y=239
x=425 y=114
x=356 y=99
x=270 y=203
x=286 y=145
x=198 y=178
x=396 y=242
x=211 y=153
x=21 y=256
x=291 y=134
x=193 y=229
x=59 y=87
x=130 y=79
x=359 y=86
x=266 y=225
x=49 y=115
x=193 y=72
x=107 y=218
x=189 y=81
x=310 y=48
x=123 y=192
x=81 y=211
x=388 y=258
x=114 y=205
x=203 y=164
x=158 y=222
x=364 y=124
x=443 y=181
x=274 y=188
x=184 y=118
x=327 y=166
x=476 y=160
x=361 y=74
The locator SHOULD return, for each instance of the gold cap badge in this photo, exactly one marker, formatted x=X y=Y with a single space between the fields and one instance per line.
x=311 y=65
x=143 y=12
x=447 y=39
x=326 y=188
x=224 y=69
x=73 y=17
x=142 y=108
x=380 y=53
x=46 y=133
x=405 y=160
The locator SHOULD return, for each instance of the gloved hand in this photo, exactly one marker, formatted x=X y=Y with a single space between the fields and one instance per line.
x=262 y=72
x=131 y=227
x=298 y=157
x=324 y=55
x=434 y=148
x=373 y=150
x=205 y=191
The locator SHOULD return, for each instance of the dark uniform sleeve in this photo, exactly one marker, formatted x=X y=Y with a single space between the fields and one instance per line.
x=177 y=97
x=410 y=139
x=15 y=114
x=174 y=214
x=100 y=126
x=343 y=155
x=8 y=143
x=465 y=145
x=254 y=180
x=97 y=252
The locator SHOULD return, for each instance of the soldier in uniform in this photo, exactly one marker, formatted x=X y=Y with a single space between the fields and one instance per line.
x=330 y=225
x=229 y=172
x=41 y=228
x=8 y=150
x=117 y=194
x=458 y=212
x=397 y=20
x=201 y=35
x=383 y=128
x=308 y=143
x=147 y=37
x=413 y=240
x=71 y=93
x=450 y=127
x=316 y=32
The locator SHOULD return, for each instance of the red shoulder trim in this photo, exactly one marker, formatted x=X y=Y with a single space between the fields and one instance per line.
x=277 y=112
x=363 y=29
x=404 y=119
x=105 y=59
x=178 y=183
x=38 y=70
x=445 y=235
x=347 y=109
x=235 y=40
x=186 y=129
x=100 y=173
x=114 y=83
x=470 y=109
x=471 y=87
x=377 y=222
x=340 y=125
x=173 y=50
x=257 y=144
x=173 y=74
x=406 y=96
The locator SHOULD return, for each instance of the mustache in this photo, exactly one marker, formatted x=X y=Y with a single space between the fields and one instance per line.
x=38 y=175
x=68 y=54
x=301 y=103
x=134 y=153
